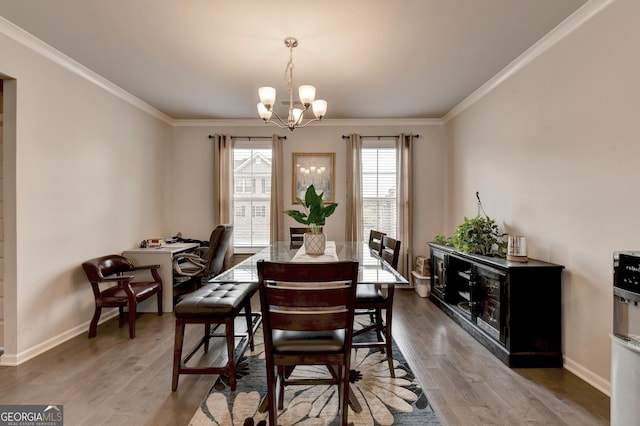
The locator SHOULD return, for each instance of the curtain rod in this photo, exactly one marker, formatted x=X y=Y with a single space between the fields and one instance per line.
x=379 y=137
x=251 y=137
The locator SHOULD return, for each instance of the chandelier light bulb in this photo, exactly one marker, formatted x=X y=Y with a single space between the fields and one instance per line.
x=307 y=94
x=319 y=108
x=296 y=115
x=267 y=96
x=264 y=113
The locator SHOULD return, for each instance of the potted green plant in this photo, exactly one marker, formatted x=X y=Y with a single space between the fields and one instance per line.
x=314 y=216
x=478 y=235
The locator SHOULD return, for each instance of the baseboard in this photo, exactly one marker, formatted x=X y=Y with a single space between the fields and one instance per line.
x=588 y=376
x=13 y=360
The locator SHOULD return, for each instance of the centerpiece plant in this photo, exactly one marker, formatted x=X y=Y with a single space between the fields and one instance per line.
x=314 y=214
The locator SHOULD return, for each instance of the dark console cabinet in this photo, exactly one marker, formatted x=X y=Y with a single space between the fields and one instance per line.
x=512 y=308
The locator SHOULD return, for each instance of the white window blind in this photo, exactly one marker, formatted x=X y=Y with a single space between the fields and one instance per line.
x=252 y=177
x=379 y=187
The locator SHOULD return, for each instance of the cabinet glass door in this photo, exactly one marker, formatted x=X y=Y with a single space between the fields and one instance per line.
x=460 y=279
x=489 y=294
x=439 y=274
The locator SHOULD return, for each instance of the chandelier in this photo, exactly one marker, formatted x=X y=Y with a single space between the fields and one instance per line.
x=306 y=93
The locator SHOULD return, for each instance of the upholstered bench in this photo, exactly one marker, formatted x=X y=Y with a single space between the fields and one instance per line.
x=215 y=304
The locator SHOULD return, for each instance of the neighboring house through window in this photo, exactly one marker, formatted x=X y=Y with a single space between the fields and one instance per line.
x=252 y=193
x=379 y=187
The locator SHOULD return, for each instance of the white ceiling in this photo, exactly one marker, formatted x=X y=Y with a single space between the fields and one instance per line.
x=368 y=58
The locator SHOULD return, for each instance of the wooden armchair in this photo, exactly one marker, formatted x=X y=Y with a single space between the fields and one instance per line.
x=116 y=269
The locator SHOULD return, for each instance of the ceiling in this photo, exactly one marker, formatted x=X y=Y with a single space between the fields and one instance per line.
x=205 y=59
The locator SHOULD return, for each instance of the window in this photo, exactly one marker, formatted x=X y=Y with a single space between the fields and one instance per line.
x=252 y=187
x=266 y=185
x=379 y=187
x=244 y=184
x=258 y=211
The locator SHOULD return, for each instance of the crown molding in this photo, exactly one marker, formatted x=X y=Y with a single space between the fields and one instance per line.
x=577 y=19
x=257 y=122
x=21 y=36
x=566 y=27
x=31 y=42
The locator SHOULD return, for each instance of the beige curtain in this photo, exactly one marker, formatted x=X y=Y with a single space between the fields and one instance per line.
x=277 y=190
x=223 y=183
x=404 y=147
x=353 y=207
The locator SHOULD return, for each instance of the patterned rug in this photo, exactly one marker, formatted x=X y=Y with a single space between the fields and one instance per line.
x=384 y=400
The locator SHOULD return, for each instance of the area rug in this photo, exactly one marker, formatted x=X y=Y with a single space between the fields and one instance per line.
x=384 y=400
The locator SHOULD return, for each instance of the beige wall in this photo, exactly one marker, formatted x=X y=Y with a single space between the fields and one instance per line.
x=81 y=180
x=551 y=150
x=191 y=172
x=554 y=153
x=89 y=171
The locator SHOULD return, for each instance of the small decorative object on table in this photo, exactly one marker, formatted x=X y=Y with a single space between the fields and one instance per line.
x=314 y=215
x=517 y=248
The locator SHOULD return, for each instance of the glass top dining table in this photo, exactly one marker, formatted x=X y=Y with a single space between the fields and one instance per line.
x=371 y=269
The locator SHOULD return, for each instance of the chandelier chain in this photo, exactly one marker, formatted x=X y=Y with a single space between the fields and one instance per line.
x=288 y=71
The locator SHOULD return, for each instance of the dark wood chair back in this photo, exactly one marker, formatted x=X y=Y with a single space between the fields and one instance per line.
x=307 y=319
x=296 y=235
x=390 y=251
x=375 y=240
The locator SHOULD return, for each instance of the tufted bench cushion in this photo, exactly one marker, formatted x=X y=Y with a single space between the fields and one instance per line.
x=215 y=304
x=217 y=300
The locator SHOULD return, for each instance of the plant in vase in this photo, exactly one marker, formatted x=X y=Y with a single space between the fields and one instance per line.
x=478 y=235
x=314 y=216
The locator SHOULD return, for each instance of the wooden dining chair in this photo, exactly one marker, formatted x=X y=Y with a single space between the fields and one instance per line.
x=371 y=298
x=390 y=251
x=296 y=235
x=375 y=240
x=307 y=314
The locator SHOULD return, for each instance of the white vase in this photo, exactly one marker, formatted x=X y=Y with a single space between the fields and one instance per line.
x=315 y=243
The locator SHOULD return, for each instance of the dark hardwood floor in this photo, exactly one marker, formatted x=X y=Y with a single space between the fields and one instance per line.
x=112 y=380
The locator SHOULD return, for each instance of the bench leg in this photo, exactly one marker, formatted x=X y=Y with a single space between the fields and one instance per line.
x=207 y=333
x=231 y=350
x=248 y=316
x=177 y=352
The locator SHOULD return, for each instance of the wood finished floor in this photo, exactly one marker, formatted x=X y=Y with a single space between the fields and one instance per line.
x=112 y=380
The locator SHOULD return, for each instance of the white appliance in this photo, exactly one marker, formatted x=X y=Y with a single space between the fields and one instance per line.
x=625 y=340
